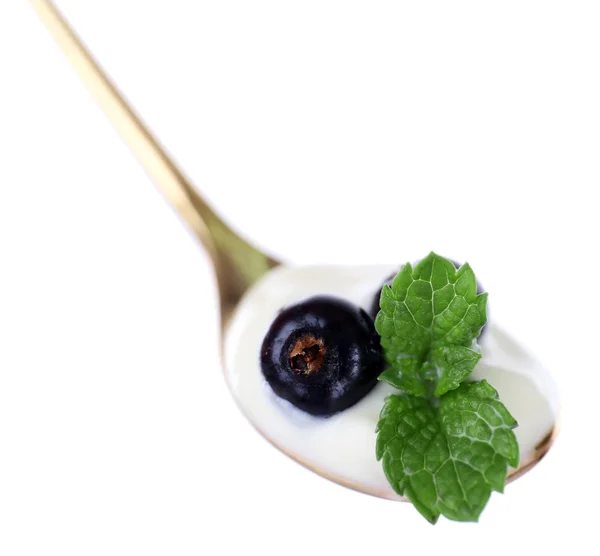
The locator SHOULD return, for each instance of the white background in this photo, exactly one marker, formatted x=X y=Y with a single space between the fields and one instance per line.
x=326 y=132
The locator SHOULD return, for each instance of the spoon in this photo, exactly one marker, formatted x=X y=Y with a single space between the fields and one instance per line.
x=238 y=265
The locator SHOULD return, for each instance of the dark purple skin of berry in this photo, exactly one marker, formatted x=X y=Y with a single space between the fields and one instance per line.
x=375 y=303
x=322 y=355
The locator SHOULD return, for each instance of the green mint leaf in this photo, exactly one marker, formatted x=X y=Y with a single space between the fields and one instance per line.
x=447 y=455
x=452 y=365
x=427 y=307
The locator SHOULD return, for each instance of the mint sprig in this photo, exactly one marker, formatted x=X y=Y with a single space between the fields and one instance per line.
x=448 y=459
x=445 y=444
x=430 y=307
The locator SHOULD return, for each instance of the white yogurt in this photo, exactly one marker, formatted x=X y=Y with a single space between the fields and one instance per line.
x=342 y=447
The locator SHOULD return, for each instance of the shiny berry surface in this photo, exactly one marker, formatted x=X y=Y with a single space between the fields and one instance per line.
x=322 y=355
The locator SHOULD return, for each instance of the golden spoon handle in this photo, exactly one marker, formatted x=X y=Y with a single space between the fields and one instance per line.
x=162 y=170
x=230 y=253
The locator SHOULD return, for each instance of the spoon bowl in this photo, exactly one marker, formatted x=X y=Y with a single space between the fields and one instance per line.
x=342 y=447
x=249 y=279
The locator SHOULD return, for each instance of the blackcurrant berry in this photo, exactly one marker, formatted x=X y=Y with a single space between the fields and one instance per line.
x=322 y=355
